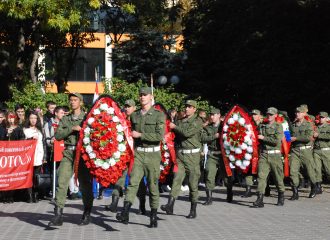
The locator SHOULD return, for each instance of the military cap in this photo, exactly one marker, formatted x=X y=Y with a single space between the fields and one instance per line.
x=301 y=109
x=272 y=110
x=78 y=95
x=256 y=111
x=191 y=103
x=215 y=111
x=305 y=107
x=145 y=90
x=130 y=102
x=324 y=114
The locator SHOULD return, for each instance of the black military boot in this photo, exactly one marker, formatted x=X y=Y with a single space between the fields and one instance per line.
x=142 y=206
x=295 y=195
x=86 y=217
x=319 y=188
x=153 y=218
x=124 y=215
x=58 y=218
x=312 y=194
x=168 y=208
x=247 y=192
x=229 y=194
x=280 y=199
x=259 y=203
x=114 y=204
x=192 y=213
x=208 y=197
x=267 y=191
x=30 y=195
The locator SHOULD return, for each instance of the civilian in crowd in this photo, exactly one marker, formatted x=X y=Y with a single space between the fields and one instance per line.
x=3 y=131
x=20 y=111
x=14 y=132
x=33 y=130
x=50 y=105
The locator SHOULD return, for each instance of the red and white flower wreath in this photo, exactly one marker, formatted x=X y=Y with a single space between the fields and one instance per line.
x=237 y=141
x=105 y=149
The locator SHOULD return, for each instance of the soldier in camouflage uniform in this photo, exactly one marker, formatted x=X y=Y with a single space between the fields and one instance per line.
x=321 y=151
x=301 y=152
x=210 y=135
x=270 y=158
x=188 y=144
x=148 y=128
x=68 y=130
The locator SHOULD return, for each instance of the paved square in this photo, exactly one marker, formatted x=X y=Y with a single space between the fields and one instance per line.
x=303 y=219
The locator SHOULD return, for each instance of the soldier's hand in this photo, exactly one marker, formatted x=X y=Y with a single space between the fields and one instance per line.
x=261 y=137
x=216 y=135
x=316 y=134
x=172 y=125
x=293 y=139
x=76 y=128
x=136 y=134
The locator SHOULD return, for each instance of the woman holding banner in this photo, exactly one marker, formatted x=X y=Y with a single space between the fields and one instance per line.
x=14 y=132
x=33 y=130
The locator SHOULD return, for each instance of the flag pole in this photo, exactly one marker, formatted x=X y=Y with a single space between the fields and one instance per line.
x=152 y=88
x=54 y=176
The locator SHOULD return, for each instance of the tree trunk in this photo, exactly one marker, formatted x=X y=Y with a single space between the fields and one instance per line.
x=20 y=57
x=33 y=67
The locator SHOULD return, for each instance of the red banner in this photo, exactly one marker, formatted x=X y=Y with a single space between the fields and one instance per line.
x=16 y=164
x=58 y=150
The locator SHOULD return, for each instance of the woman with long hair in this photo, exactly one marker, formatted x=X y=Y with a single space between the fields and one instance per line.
x=13 y=133
x=33 y=130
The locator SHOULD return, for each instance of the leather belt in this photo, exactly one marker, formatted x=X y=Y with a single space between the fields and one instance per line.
x=70 y=147
x=304 y=147
x=148 y=149
x=325 y=149
x=185 y=151
x=272 y=151
x=214 y=152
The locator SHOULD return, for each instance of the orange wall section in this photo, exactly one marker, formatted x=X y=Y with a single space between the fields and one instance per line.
x=81 y=87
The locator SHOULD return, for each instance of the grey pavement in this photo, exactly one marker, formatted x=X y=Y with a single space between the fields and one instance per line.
x=302 y=219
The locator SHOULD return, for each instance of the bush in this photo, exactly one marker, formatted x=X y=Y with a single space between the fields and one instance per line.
x=32 y=97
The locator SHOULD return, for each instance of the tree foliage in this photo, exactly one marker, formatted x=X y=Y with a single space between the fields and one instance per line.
x=33 y=97
x=259 y=53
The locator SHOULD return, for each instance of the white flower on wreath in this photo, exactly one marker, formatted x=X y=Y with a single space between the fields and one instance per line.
x=231 y=158
x=119 y=128
x=235 y=117
x=226 y=143
x=166 y=155
x=96 y=111
x=116 y=154
x=92 y=155
x=232 y=148
x=105 y=165
x=89 y=149
x=247 y=156
x=238 y=163
x=98 y=162
x=249 y=149
x=246 y=163
x=161 y=167
x=112 y=162
x=87 y=130
x=238 y=150
x=165 y=147
x=241 y=121
x=225 y=128
x=121 y=147
x=224 y=136
x=110 y=110
x=249 y=142
x=86 y=140
x=104 y=106
x=90 y=120
x=246 y=138
x=231 y=121
x=115 y=119
x=120 y=138
x=227 y=152
x=244 y=146
x=231 y=165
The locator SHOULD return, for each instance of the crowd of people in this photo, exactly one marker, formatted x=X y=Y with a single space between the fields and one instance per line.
x=22 y=124
x=198 y=152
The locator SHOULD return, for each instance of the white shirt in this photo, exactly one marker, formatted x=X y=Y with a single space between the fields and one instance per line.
x=39 y=153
